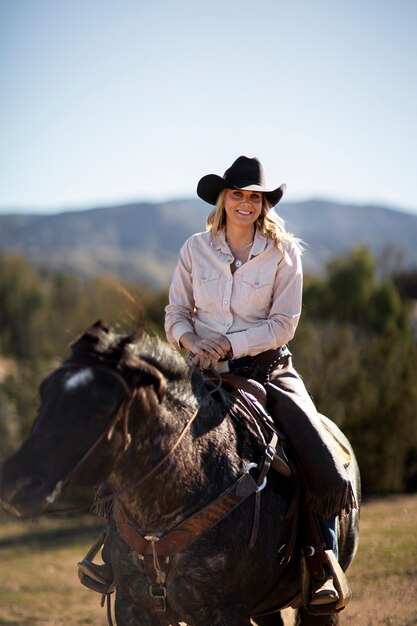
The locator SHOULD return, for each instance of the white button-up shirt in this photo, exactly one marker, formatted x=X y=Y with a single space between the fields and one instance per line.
x=257 y=307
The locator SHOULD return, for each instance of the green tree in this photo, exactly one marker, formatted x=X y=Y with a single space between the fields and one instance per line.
x=351 y=293
x=357 y=354
x=350 y=284
x=41 y=314
x=21 y=298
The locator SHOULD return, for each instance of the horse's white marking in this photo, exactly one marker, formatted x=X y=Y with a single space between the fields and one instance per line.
x=83 y=377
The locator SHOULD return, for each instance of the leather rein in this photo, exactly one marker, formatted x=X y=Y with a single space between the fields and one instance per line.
x=121 y=415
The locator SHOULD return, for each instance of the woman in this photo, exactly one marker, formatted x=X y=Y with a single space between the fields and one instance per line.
x=234 y=303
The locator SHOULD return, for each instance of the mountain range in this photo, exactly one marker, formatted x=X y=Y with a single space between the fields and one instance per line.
x=140 y=241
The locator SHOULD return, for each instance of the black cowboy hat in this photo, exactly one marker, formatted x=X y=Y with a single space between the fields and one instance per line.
x=244 y=173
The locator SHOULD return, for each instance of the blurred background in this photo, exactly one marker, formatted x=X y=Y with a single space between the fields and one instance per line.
x=110 y=114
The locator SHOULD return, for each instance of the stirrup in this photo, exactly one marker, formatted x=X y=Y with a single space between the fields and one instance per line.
x=96 y=577
x=323 y=591
x=101 y=573
x=104 y=589
x=340 y=583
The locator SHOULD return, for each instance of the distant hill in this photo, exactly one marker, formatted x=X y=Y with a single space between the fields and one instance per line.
x=140 y=241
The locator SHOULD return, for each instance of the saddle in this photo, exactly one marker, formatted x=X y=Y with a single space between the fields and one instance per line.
x=337 y=441
x=247 y=399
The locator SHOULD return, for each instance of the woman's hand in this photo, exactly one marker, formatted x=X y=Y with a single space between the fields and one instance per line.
x=206 y=351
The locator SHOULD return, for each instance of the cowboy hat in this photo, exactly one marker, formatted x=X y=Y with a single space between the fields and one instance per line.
x=246 y=174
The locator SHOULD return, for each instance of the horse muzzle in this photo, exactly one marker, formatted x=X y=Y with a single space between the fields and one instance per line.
x=24 y=496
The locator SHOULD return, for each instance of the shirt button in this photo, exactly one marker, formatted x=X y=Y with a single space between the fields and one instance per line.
x=226 y=301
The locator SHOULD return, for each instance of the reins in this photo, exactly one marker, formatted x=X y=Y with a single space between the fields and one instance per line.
x=121 y=414
x=166 y=456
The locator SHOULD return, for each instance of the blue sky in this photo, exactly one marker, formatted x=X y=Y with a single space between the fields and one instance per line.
x=113 y=101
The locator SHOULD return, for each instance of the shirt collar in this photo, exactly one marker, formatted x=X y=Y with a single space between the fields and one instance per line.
x=260 y=243
x=218 y=242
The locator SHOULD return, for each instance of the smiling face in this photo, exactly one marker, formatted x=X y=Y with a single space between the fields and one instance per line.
x=242 y=207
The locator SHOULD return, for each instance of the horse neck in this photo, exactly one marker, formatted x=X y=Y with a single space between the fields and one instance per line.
x=196 y=472
x=160 y=497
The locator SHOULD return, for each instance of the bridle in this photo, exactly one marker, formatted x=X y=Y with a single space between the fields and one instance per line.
x=121 y=415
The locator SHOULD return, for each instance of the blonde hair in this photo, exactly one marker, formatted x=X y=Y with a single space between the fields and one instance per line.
x=269 y=223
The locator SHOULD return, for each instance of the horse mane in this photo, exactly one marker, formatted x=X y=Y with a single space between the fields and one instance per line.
x=102 y=344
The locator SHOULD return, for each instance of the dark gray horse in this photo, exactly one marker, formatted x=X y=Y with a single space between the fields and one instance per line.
x=130 y=412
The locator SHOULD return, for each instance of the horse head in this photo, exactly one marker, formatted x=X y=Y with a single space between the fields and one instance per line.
x=81 y=430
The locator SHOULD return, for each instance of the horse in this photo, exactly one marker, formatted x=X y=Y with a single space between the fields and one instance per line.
x=129 y=412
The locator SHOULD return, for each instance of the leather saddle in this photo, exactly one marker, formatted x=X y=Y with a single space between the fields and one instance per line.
x=246 y=398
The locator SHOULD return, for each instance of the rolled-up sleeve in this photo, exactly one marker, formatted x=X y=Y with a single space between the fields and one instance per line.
x=179 y=312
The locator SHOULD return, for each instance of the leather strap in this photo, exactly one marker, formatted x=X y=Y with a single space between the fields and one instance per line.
x=157 y=552
x=188 y=531
x=269 y=455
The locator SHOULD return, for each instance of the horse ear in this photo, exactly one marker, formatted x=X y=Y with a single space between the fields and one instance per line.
x=96 y=330
x=92 y=336
x=99 y=325
x=144 y=373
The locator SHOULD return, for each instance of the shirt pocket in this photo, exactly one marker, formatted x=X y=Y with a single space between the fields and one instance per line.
x=258 y=287
x=206 y=288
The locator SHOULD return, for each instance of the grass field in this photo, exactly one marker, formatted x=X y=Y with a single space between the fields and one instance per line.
x=39 y=584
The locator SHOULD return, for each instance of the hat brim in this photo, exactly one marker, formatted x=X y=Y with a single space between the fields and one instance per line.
x=210 y=186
